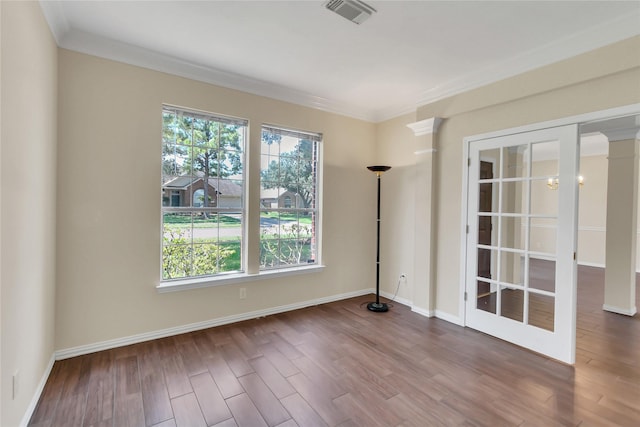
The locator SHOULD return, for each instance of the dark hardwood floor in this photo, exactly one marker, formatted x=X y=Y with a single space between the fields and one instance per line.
x=341 y=365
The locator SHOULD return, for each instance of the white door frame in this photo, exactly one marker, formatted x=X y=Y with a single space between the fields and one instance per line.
x=611 y=113
x=559 y=342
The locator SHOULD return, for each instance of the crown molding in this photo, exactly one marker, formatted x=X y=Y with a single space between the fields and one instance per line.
x=58 y=24
x=616 y=129
x=133 y=55
x=615 y=135
x=424 y=127
x=587 y=40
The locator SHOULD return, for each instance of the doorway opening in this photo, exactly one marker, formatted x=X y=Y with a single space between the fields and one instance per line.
x=603 y=335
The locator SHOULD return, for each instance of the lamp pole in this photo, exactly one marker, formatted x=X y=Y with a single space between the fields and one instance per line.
x=378 y=306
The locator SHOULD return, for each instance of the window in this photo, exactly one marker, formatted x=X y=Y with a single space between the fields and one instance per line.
x=203 y=206
x=202 y=192
x=198 y=198
x=289 y=198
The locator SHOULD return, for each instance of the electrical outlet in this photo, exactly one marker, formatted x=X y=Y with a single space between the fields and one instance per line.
x=243 y=293
x=15 y=385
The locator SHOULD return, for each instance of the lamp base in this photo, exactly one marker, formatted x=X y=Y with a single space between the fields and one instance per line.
x=378 y=307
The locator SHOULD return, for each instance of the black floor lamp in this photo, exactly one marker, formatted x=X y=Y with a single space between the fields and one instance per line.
x=378 y=306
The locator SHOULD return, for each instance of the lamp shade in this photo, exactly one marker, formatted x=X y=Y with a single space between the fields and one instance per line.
x=378 y=169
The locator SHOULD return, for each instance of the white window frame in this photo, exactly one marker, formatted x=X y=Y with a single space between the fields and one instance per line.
x=190 y=208
x=247 y=257
x=315 y=244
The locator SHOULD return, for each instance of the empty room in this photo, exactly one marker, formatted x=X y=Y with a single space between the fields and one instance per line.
x=319 y=213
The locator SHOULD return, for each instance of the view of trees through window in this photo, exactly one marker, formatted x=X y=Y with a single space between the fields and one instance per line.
x=202 y=194
x=288 y=195
x=203 y=190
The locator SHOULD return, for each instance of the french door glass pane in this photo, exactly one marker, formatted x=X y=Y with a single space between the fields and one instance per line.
x=515 y=161
x=511 y=303
x=487 y=191
x=544 y=198
x=487 y=260
x=541 y=311
x=542 y=274
x=514 y=197
x=511 y=268
x=543 y=235
x=488 y=230
x=489 y=164
x=486 y=300
x=512 y=232
x=545 y=159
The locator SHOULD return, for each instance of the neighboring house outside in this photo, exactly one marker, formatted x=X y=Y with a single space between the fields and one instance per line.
x=280 y=198
x=189 y=191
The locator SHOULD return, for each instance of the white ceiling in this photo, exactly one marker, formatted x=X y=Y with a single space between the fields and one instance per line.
x=408 y=54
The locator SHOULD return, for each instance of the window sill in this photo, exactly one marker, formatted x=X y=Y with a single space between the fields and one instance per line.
x=229 y=279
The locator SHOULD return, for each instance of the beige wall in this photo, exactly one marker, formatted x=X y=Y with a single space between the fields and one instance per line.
x=592 y=220
x=109 y=159
x=605 y=78
x=397 y=204
x=28 y=168
x=593 y=212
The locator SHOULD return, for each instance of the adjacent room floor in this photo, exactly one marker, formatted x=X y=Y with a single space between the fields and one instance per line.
x=341 y=365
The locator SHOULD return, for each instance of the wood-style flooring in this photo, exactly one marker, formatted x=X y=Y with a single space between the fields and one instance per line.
x=341 y=365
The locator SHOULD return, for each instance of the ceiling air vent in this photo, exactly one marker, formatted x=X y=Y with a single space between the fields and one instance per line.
x=353 y=10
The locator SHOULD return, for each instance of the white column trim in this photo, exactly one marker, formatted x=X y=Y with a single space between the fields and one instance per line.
x=423 y=299
x=618 y=310
x=622 y=134
x=424 y=127
x=426 y=151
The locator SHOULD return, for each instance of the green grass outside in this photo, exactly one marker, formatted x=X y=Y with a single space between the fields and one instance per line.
x=184 y=221
x=233 y=262
x=284 y=216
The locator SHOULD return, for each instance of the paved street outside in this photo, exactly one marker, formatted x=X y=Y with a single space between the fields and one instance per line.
x=214 y=231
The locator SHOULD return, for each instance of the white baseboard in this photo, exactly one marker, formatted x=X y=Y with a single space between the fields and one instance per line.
x=591 y=264
x=449 y=317
x=148 y=336
x=599 y=265
x=397 y=299
x=408 y=303
x=423 y=311
x=36 y=396
x=626 y=311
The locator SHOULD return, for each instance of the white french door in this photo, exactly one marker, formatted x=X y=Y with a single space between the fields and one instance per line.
x=521 y=241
